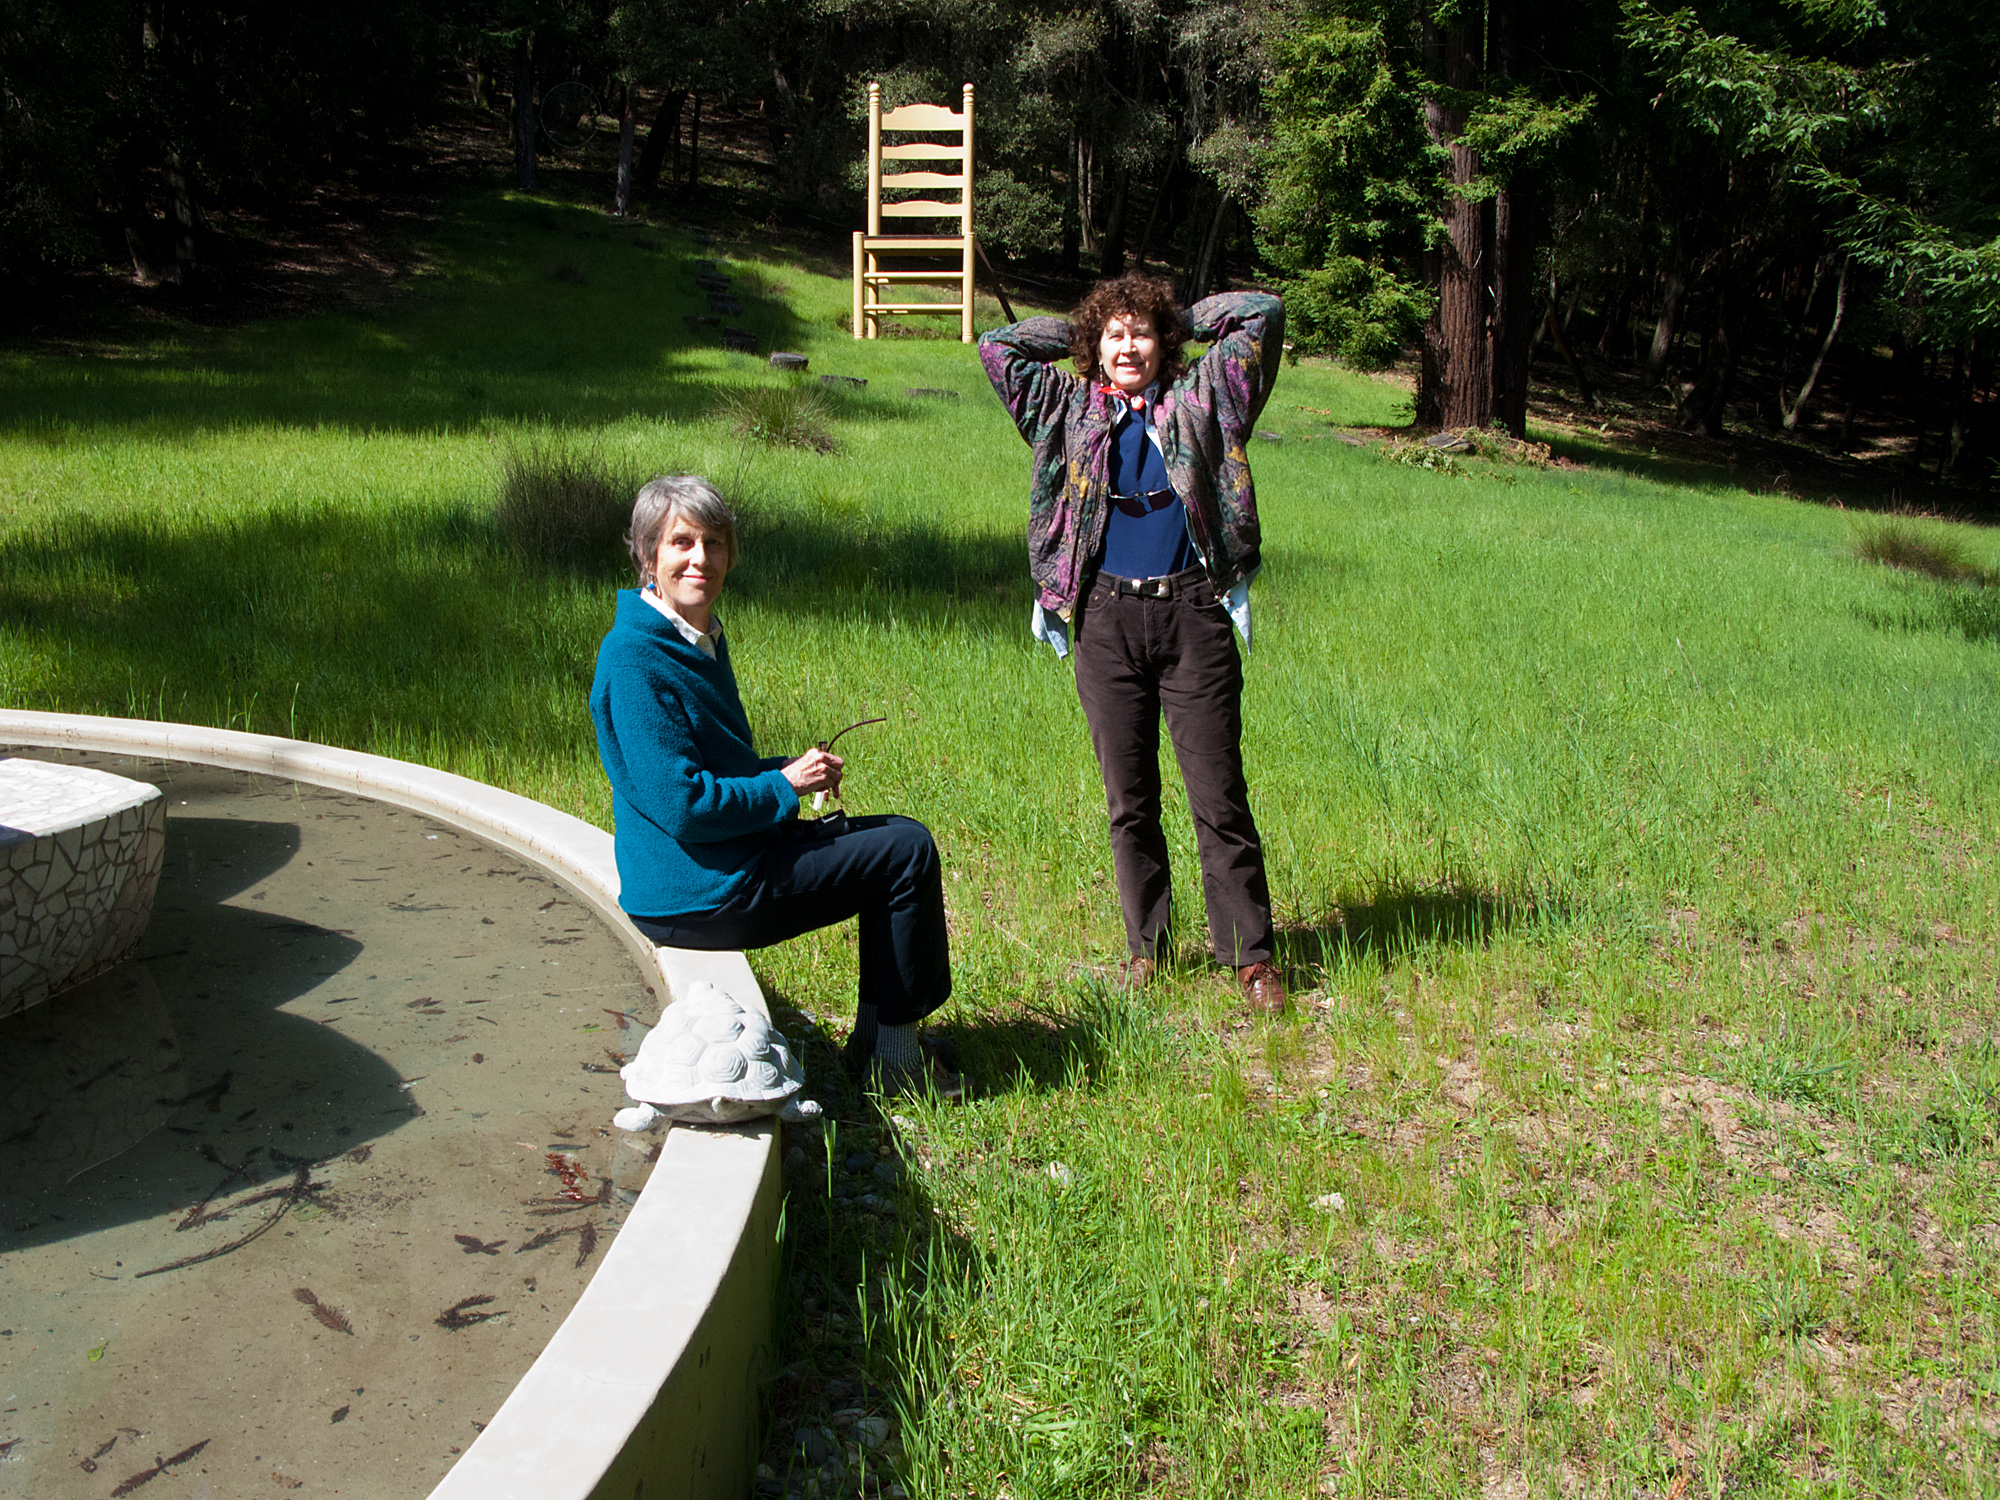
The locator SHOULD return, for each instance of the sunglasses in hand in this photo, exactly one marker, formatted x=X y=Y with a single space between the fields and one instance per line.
x=832 y=822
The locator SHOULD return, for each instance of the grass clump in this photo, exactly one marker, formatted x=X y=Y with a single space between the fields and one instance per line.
x=564 y=507
x=1897 y=543
x=783 y=416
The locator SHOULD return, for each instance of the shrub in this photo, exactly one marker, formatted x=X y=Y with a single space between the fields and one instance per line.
x=1897 y=543
x=785 y=416
x=564 y=507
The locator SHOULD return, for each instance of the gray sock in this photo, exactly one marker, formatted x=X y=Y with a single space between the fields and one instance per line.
x=863 y=1035
x=897 y=1046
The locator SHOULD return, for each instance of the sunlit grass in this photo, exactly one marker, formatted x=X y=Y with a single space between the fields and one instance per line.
x=1633 y=844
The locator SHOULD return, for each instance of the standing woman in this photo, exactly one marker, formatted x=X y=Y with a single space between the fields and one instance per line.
x=711 y=851
x=1142 y=541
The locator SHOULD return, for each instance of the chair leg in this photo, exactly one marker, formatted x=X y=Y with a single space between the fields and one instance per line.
x=860 y=267
x=965 y=286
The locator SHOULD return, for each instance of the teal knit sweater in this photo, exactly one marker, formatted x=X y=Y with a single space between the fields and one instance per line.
x=693 y=802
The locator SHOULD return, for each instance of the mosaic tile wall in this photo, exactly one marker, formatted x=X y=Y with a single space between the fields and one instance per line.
x=80 y=855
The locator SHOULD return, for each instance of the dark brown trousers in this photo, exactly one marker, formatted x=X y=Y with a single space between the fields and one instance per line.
x=1134 y=658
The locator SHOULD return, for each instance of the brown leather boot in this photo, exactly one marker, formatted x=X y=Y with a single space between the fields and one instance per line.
x=1263 y=988
x=1135 y=973
x=1129 y=973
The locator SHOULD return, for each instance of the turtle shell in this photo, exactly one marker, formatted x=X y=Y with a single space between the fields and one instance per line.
x=707 y=1047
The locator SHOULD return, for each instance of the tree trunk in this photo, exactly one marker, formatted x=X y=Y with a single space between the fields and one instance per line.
x=621 y=196
x=1790 y=414
x=1584 y=389
x=1708 y=402
x=1859 y=365
x=1957 y=414
x=1513 y=302
x=1112 y=262
x=1072 y=241
x=694 y=151
x=524 y=116
x=1671 y=299
x=1461 y=359
x=1086 y=194
x=1204 y=265
x=182 y=215
x=662 y=136
x=1153 y=215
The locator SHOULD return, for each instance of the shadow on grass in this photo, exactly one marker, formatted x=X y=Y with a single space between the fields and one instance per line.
x=534 y=311
x=1401 y=921
x=861 y=1237
x=357 y=629
x=1970 y=610
x=792 y=557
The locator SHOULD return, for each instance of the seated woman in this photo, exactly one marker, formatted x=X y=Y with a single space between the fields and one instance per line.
x=711 y=851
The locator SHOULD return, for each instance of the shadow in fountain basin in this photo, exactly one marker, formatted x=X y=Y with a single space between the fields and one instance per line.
x=179 y=1075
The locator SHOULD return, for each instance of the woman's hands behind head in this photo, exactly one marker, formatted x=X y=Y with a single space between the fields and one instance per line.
x=815 y=771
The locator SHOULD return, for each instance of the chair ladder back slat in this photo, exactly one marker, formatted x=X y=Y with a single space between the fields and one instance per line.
x=872 y=246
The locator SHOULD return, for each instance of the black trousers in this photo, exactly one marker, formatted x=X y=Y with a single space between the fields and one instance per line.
x=1136 y=657
x=883 y=869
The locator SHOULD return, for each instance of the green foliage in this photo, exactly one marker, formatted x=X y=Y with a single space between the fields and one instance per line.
x=1361 y=313
x=1350 y=182
x=1518 y=130
x=1354 y=185
x=1886 y=119
x=1423 y=456
x=1016 y=216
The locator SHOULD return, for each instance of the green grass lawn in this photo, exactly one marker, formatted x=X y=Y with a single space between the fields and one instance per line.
x=1634 y=845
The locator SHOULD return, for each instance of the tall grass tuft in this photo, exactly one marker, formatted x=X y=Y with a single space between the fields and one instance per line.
x=784 y=416
x=564 y=507
x=1898 y=544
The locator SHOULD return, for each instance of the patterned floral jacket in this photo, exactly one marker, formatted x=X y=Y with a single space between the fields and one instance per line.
x=1202 y=423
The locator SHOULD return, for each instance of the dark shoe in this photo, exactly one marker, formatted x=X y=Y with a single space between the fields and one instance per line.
x=942 y=1049
x=858 y=1051
x=1263 y=988
x=925 y=1080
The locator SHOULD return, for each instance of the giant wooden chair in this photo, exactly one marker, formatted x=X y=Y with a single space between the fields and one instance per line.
x=875 y=287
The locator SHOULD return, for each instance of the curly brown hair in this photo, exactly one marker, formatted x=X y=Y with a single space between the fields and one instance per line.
x=1133 y=295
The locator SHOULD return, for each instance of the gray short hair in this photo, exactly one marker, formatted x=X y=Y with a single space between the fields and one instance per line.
x=658 y=499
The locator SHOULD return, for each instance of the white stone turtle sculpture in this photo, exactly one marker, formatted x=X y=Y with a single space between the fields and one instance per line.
x=712 y=1062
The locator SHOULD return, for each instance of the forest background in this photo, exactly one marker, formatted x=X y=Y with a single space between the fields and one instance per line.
x=1785 y=212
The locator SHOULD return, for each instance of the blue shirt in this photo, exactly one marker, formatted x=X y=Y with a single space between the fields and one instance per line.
x=1146 y=534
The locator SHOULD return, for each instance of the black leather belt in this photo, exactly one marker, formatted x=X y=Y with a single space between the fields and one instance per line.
x=1164 y=587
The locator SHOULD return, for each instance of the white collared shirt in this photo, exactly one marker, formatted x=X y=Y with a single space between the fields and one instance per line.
x=703 y=640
